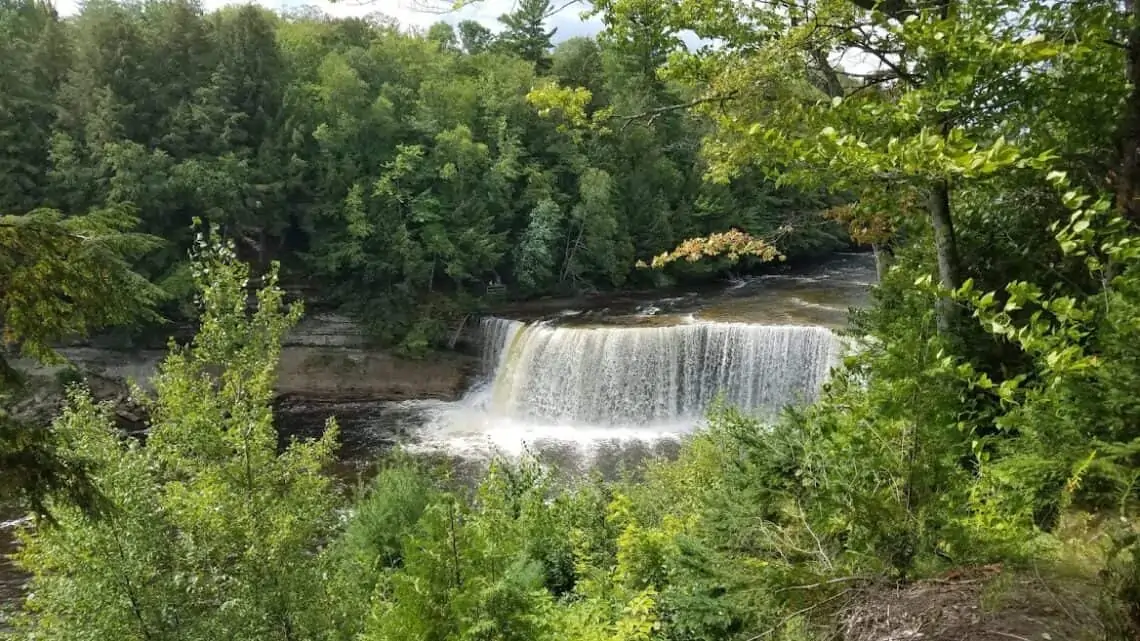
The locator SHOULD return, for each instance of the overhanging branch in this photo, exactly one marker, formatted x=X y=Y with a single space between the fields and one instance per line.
x=651 y=114
x=897 y=9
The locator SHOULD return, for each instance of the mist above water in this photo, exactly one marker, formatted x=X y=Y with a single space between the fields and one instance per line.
x=546 y=384
x=627 y=380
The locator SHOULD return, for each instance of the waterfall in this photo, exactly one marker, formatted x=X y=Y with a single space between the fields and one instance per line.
x=645 y=375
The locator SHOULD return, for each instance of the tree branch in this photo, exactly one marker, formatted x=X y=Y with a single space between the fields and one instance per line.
x=812 y=586
x=557 y=10
x=795 y=614
x=873 y=82
x=897 y=9
x=651 y=114
x=903 y=75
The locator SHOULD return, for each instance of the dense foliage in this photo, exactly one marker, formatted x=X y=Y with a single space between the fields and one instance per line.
x=988 y=151
x=396 y=173
x=60 y=276
x=207 y=532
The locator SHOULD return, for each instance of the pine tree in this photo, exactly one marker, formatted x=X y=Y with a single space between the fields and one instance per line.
x=59 y=277
x=525 y=32
x=35 y=56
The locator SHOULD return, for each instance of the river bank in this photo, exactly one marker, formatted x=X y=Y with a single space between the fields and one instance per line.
x=444 y=405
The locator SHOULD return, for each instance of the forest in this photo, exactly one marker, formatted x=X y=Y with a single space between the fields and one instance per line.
x=396 y=175
x=982 y=441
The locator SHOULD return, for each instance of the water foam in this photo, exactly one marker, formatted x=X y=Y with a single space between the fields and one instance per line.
x=588 y=385
x=621 y=376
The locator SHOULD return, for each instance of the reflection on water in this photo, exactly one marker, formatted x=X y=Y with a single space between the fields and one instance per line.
x=821 y=295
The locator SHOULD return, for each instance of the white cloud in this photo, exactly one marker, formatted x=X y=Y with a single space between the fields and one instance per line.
x=411 y=13
x=66 y=7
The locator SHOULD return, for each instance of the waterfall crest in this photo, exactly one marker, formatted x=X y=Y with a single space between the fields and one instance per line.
x=643 y=375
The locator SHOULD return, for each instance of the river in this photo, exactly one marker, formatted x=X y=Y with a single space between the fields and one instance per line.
x=604 y=384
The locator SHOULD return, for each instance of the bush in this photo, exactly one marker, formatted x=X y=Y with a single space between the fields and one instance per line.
x=209 y=532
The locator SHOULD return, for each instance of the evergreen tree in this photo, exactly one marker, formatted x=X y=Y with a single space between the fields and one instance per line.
x=35 y=51
x=525 y=34
x=474 y=37
x=59 y=277
x=280 y=129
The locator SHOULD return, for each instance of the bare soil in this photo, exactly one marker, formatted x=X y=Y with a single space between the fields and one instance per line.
x=978 y=604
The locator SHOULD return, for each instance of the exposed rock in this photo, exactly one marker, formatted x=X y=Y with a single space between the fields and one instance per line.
x=43 y=397
x=324 y=359
x=353 y=375
x=326 y=330
x=328 y=374
x=325 y=370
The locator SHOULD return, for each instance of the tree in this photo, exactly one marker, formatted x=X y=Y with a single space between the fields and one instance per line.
x=779 y=103
x=35 y=50
x=245 y=81
x=474 y=37
x=577 y=62
x=593 y=243
x=525 y=34
x=59 y=278
x=210 y=531
x=443 y=34
x=279 y=129
x=180 y=59
x=535 y=261
x=107 y=94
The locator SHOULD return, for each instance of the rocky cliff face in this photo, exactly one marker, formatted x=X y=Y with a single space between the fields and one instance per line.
x=325 y=360
x=326 y=369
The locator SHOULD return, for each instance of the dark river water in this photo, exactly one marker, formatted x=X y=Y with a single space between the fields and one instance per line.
x=603 y=384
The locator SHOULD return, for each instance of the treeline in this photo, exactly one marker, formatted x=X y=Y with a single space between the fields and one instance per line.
x=396 y=173
x=988 y=423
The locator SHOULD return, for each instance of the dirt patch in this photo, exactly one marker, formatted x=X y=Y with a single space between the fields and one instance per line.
x=980 y=604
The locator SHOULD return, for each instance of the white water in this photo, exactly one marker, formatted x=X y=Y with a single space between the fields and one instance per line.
x=650 y=375
x=548 y=384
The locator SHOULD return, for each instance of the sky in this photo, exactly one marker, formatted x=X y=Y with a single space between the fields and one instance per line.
x=416 y=13
x=423 y=13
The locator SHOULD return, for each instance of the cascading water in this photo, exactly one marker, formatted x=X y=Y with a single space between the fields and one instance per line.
x=647 y=371
x=567 y=391
x=622 y=376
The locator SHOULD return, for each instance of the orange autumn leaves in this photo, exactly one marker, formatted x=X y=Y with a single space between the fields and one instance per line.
x=732 y=244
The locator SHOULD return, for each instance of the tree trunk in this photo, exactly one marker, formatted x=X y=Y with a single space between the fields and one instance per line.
x=884 y=256
x=946 y=246
x=831 y=83
x=9 y=377
x=1128 y=181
